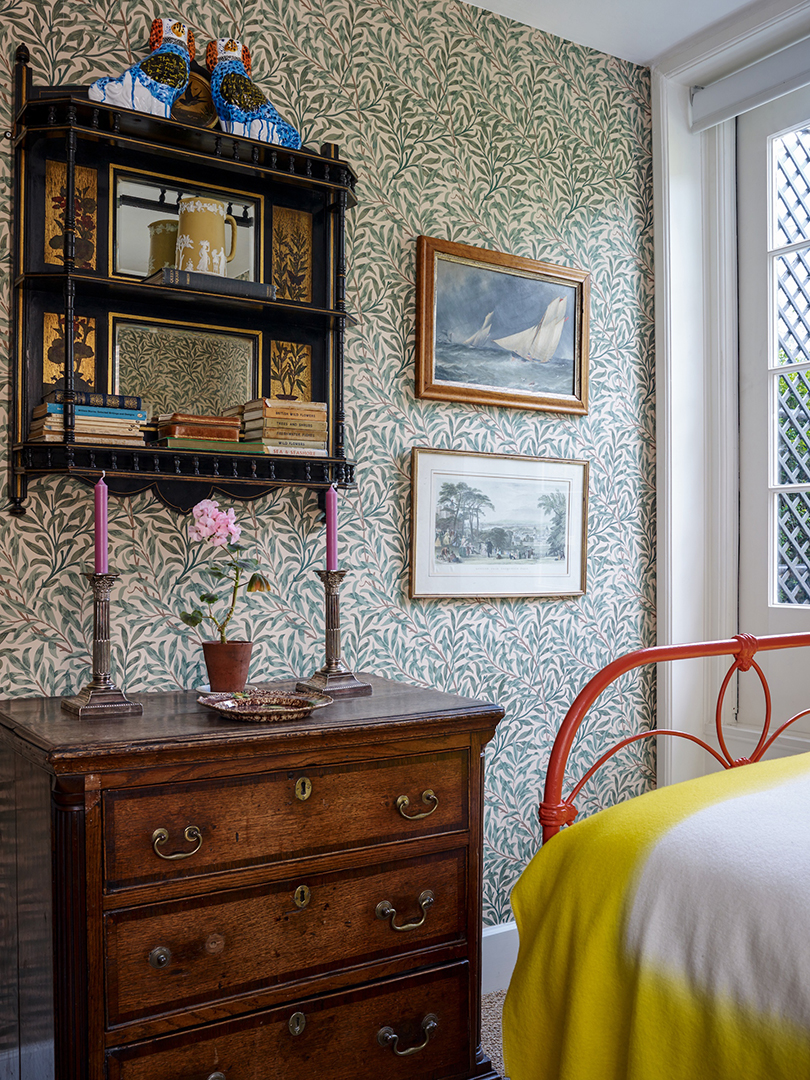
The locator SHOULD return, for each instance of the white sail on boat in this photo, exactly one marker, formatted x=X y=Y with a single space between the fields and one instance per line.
x=538 y=342
x=480 y=337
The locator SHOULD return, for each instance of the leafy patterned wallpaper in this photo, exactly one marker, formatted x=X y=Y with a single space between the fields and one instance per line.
x=462 y=125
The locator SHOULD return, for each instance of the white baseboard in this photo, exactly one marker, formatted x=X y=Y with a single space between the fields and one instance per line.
x=499 y=949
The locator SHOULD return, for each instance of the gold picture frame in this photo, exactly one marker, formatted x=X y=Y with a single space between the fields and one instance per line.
x=497 y=329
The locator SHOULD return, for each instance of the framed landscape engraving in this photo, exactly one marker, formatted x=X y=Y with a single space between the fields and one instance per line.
x=495 y=329
x=487 y=525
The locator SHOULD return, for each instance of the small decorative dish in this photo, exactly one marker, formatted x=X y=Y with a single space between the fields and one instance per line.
x=263 y=706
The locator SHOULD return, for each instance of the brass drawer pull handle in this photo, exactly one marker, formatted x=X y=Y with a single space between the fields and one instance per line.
x=192 y=833
x=386 y=910
x=428 y=797
x=160 y=957
x=387 y=1037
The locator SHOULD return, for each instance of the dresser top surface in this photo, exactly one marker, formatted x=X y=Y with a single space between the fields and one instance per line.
x=176 y=720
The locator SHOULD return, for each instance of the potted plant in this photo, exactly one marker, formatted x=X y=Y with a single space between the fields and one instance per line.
x=227 y=661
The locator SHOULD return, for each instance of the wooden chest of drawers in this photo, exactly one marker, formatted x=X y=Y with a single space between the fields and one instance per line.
x=187 y=898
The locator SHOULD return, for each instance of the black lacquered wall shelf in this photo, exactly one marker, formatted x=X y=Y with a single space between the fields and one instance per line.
x=78 y=157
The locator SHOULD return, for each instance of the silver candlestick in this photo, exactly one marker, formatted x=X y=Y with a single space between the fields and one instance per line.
x=334 y=678
x=101 y=697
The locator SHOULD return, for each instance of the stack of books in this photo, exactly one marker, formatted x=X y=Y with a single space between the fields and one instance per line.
x=100 y=419
x=179 y=430
x=291 y=428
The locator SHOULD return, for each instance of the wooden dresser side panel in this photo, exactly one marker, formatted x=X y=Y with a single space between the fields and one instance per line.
x=9 y=1007
x=476 y=887
x=70 y=930
x=34 y=922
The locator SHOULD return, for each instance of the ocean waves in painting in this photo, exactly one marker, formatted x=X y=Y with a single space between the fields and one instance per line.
x=493 y=367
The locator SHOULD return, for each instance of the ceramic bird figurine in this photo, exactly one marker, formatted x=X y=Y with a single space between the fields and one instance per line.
x=155 y=83
x=242 y=107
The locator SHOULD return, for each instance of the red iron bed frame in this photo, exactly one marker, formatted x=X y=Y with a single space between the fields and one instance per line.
x=669 y=937
x=555 y=811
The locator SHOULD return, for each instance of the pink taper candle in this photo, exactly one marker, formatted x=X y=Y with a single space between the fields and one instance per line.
x=100 y=492
x=331 y=529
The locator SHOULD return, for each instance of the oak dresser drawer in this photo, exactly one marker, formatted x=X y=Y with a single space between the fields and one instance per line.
x=163 y=833
x=347 y=1036
x=165 y=957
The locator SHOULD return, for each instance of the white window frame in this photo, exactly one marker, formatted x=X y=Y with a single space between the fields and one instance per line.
x=696 y=366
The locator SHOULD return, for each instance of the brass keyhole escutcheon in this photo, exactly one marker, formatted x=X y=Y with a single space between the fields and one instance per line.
x=302 y=896
x=214 y=944
x=297 y=1023
x=303 y=788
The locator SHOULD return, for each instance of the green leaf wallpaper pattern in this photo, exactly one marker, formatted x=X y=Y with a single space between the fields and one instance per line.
x=460 y=124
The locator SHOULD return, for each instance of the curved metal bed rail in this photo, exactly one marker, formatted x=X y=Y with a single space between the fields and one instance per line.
x=555 y=811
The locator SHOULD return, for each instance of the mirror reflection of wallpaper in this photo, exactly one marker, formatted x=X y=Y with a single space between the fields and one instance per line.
x=179 y=369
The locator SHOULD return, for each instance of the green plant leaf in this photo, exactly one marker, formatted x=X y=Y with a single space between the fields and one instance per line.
x=209 y=597
x=193 y=618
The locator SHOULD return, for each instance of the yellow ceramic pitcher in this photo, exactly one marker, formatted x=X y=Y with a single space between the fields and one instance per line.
x=162 y=244
x=201 y=235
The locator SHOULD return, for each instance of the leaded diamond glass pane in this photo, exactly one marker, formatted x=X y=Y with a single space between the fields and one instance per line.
x=793 y=427
x=792 y=169
x=793 y=548
x=793 y=307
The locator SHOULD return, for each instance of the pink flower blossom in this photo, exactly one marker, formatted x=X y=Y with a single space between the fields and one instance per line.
x=220 y=528
x=211 y=523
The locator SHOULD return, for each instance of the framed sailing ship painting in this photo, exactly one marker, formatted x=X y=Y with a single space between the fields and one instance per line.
x=496 y=329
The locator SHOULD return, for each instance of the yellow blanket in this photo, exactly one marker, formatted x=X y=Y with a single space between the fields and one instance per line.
x=668 y=938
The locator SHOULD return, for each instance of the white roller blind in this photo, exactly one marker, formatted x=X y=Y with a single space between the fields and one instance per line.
x=752 y=86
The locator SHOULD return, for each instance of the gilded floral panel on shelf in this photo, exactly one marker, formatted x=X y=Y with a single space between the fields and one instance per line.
x=292 y=254
x=461 y=125
x=182 y=369
x=53 y=352
x=290 y=371
x=85 y=201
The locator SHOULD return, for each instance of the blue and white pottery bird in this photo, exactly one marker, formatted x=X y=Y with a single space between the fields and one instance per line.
x=155 y=83
x=242 y=107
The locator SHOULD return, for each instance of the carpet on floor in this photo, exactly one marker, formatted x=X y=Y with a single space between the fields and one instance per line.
x=491 y=1008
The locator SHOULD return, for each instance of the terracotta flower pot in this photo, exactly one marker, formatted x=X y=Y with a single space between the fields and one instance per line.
x=227 y=664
